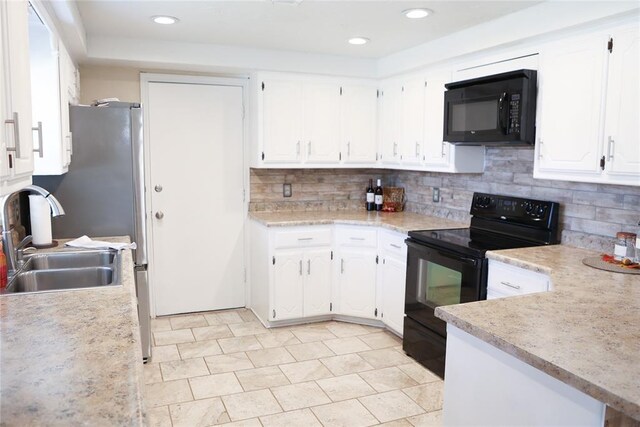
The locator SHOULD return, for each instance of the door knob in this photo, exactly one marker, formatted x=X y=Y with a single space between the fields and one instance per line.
x=159 y=215
x=158 y=188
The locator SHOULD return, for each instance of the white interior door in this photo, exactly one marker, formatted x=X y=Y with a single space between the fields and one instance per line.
x=195 y=136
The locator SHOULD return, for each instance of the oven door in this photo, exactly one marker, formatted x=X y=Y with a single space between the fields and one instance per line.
x=436 y=277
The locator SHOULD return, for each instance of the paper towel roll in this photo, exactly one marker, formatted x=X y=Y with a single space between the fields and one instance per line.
x=40 y=220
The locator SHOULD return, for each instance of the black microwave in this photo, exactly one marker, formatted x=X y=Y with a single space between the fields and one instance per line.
x=493 y=110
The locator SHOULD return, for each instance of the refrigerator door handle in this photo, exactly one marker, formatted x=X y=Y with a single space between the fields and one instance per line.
x=137 y=146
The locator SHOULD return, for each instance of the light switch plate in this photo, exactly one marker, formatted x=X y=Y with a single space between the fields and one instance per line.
x=286 y=190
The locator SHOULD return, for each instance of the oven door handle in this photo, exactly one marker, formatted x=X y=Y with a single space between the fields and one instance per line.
x=442 y=252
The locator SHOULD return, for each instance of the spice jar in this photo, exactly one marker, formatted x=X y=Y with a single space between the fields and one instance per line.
x=624 y=247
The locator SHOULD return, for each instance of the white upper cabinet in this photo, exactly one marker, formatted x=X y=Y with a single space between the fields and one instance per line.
x=436 y=151
x=358 y=118
x=588 y=109
x=390 y=122
x=321 y=110
x=17 y=141
x=281 y=121
x=412 y=110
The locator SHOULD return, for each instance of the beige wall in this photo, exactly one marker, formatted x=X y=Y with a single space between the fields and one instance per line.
x=98 y=82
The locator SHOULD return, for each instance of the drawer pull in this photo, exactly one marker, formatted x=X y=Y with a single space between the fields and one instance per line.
x=301 y=267
x=308 y=267
x=511 y=285
x=342 y=266
x=305 y=238
x=356 y=238
x=395 y=246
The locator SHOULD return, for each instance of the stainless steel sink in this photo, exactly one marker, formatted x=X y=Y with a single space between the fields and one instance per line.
x=57 y=271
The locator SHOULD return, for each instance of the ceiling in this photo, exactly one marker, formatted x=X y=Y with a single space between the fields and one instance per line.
x=312 y=26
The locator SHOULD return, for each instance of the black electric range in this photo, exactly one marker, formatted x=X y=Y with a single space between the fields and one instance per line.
x=447 y=267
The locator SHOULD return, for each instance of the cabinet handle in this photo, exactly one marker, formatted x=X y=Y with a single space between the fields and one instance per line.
x=305 y=238
x=417 y=149
x=611 y=142
x=70 y=138
x=40 y=149
x=349 y=149
x=395 y=246
x=308 y=267
x=356 y=238
x=301 y=267
x=511 y=285
x=341 y=265
x=16 y=133
x=298 y=149
x=395 y=149
x=540 y=148
x=442 y=149
x=309 y=148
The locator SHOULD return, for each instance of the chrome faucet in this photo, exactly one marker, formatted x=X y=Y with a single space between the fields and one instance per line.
x=7 y=239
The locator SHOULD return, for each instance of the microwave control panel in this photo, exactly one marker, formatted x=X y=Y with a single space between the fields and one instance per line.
x=514 y=114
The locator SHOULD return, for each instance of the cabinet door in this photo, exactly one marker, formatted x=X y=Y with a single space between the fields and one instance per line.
x=412 y=121
x=282 y=121
x=435 y=151
x=317 y=282
x=392 y=277
x=390 y=115
x=622 y=132
x=322 y=122
x=357 y=282
x=570 y=90
x=358 y=122
x=287 y=286
x=18 y=95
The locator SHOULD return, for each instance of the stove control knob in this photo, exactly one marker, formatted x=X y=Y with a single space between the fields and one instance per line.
x=540 y=211
x=528 y=207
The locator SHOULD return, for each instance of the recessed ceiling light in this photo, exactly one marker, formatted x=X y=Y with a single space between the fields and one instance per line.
x=164 y=20
x=359 y=40
x=417 y=13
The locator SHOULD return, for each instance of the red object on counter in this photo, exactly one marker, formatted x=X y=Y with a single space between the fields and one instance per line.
x=3 y=268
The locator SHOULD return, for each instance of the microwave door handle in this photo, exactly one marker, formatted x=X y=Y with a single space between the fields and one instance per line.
x=503 y=113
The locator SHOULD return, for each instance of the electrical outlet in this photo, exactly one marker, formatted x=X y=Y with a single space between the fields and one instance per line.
x=436 y=195
x=286 y=190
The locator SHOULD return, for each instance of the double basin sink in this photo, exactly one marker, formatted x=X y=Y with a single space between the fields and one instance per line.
x=56 y=271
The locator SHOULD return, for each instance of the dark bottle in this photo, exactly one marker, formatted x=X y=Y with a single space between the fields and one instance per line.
x=378 y=196
x=371 y=206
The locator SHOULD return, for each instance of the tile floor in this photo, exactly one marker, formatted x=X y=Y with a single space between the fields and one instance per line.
x=225 y=367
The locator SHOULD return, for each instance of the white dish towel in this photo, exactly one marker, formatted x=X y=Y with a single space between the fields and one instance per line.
x=87 y=243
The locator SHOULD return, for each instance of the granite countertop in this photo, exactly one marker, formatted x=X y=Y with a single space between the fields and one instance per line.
x=72 y=357
x=397 y=221
x=585 y=332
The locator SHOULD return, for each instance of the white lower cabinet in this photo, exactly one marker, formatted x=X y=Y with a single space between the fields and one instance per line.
x=507 y=280
x=356 y=282
x=392 y=272
x=316 y=266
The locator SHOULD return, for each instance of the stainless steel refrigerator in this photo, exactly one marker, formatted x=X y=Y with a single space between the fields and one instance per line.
x=103 y=192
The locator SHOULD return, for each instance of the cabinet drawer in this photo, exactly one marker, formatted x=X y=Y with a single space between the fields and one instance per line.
x=302 y=237
x=507 y=280
x=392 y=243
x=357 y=236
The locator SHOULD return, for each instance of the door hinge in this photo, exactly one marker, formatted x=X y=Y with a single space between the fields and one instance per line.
x=330 y=306
x=377 y=259
x=263 y=155
x=331 y=254
x=274 y=314
x=263 y=86
x=610 y=45
x=602 y=161
x=375 y=313
x=340 y=90
x=274 y=261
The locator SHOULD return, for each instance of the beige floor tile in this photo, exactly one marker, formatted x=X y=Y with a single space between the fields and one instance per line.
x=188 y=321
x=247 y=328
x=152 y=373
x=309 y=334
x=385 y=357
x=429 y=396
x=346 y=345
x=191 y=350
x=270 y=357
x=161 y=394
x=346 y=364
x=251 y=404
x=343 y=329
x=215 y=385
x=164 y=353
x=253 y=422
x=277 y=339
x=179 y=369
x=430 y=419
x=212 y=319
x=391 y=405
x=207 y=333
x=298 y=396
x=299 y=418
x=380 y=340
x=256 y=379
x=419 y=373
x=397 y=423
x=308 y=351
x=349 y=413
x=160 y=324
x=159 y=417
x=305 y=371
x=200 y=413
x=228 y=317
x=387 y=379
x=236 y=344
x=228 y=363
x=345 y=387
x=173 y=337
x=247 y=315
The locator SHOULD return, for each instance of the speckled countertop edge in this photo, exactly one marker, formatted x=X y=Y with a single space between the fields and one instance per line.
x=73 y=357
x=597 y=308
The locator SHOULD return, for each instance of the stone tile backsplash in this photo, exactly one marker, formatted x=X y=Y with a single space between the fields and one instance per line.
x=590 y=214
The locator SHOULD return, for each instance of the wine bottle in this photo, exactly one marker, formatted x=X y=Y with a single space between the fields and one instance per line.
x=378 y=195
x=371 y=206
